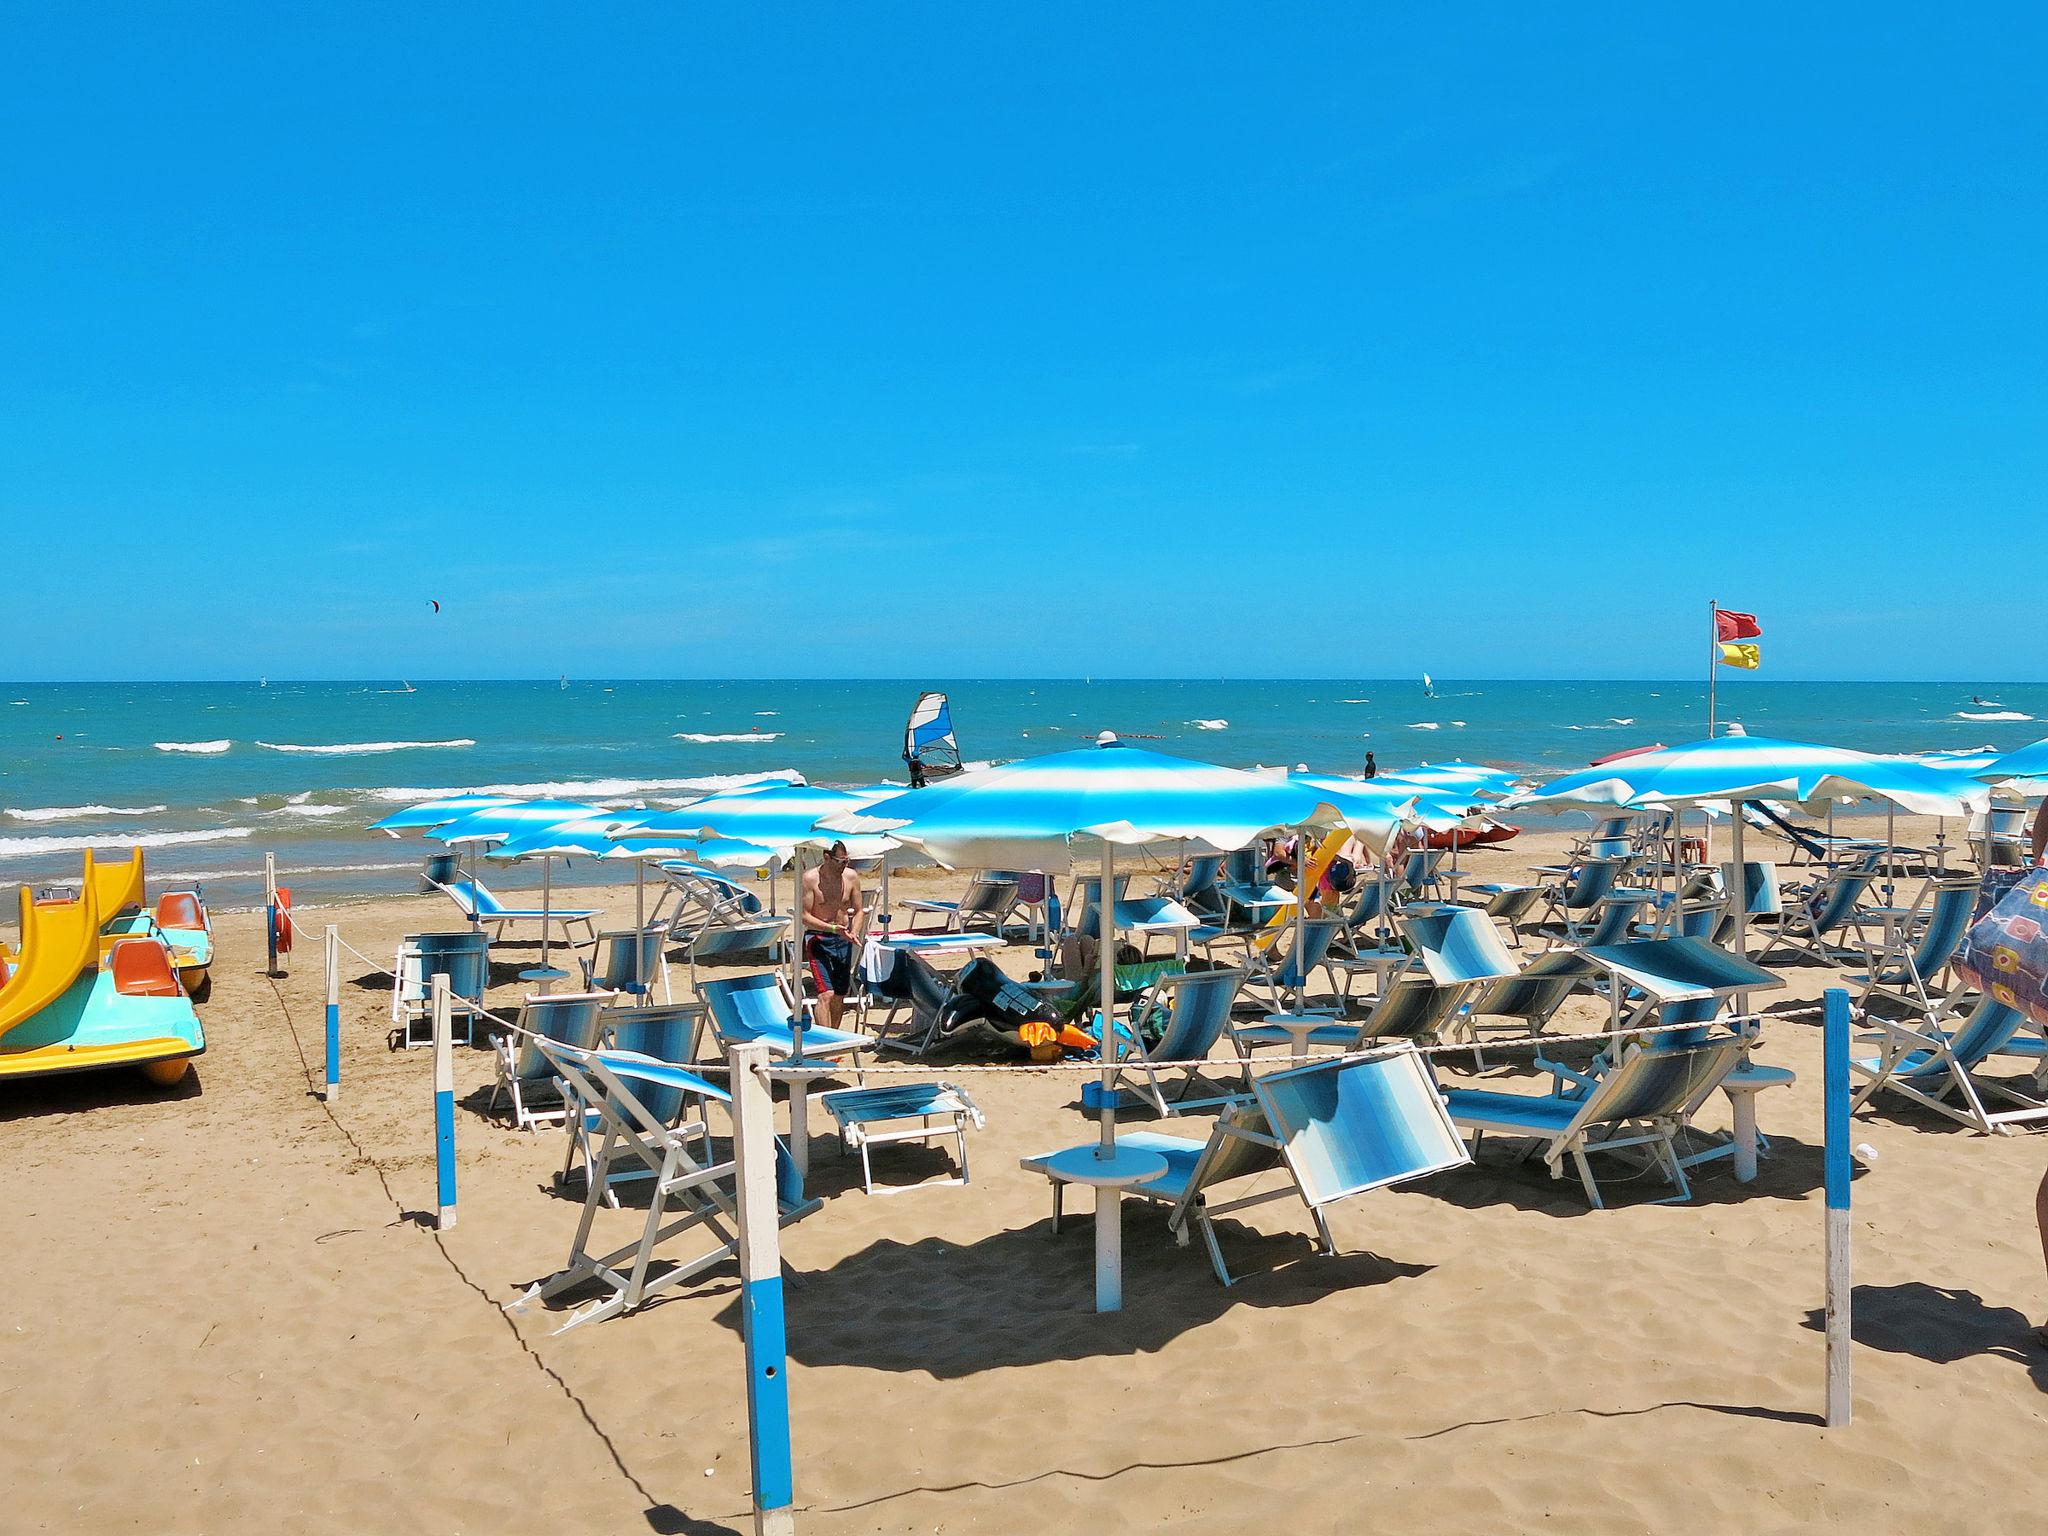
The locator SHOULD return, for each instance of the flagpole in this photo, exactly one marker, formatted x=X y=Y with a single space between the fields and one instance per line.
x=1713 y=658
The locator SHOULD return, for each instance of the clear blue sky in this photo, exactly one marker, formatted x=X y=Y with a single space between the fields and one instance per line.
x=877 y=339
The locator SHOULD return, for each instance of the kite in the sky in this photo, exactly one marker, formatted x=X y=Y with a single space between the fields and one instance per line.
x=437 y=606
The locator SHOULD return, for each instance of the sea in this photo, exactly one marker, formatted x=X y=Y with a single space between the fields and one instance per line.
x=208 y=777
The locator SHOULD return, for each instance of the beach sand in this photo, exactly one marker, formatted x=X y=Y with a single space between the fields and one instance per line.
x=227 y=1315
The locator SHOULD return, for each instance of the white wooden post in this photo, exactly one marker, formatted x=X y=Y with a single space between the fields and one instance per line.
x=761 y=1312
x=444 y=1106
x=333 y=1013
x=270 y=912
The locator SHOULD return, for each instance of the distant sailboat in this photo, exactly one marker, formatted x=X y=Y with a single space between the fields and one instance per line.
x=405 y=687
x=262 y=682
x=1428 y=687
x=563 y=685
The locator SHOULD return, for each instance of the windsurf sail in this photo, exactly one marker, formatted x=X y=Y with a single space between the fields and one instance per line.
x=930 y=749
x=1428 y=687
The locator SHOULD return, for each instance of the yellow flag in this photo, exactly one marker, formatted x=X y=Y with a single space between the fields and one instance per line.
x=1747 y=657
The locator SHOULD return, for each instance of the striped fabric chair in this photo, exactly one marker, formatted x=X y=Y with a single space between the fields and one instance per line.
x=526 y=1078
x=1198 y=1005
x=1337 y=1129
x=1937 y=1069
x=1642 y=1102
x=1903 y=971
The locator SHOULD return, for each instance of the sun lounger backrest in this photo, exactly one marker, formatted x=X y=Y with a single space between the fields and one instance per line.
x=1201 y=1002
x=1228 y=1156
x=1412 y=1008
x=719 y=943
x=1596 y=877
x=987 y=896
x=464 y=958
x=1200 y=885
x=747 y=1008
x=438 y=872
x=1986 y=1031
x=1538 y=992
x=1616 y=917
x=1459 y=944
x=571 y=1018
x=1349 y=1127
x=1317 y=935
x=663 y=1033
x=615 y=952
x=1947 y=921
x=1658 y=1081
x=1755 y=886
x=1840 y=899
x=1367 y=903
x=1241 y=866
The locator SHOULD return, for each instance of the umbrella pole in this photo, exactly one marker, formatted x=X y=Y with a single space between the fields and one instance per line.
x=884 y=913
x=639 y=926
x=1109 y=1236
x=1300 y=912
x=547 y=885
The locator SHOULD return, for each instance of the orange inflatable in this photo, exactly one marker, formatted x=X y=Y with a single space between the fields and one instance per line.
x=284 y=920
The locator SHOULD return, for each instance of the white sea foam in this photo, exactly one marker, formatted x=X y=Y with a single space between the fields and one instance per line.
x=1992 y=714
x=307 y=810
x=727 y=735
x=204 y=748
x=363 y=748
x=1354 y=701
x=22 y=847
x=81 y=812
x=1621 y=719
x=1422 y=725
x=766 y=714
x=1210 y=725
x=590 y=789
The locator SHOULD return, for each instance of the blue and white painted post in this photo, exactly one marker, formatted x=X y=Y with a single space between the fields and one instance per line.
x=270 y=911
x=753 y=1113
x=1835 y=1071
x=333 y=1013
x=444 y=1107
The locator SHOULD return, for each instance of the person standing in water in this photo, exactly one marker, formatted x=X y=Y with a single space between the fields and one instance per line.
x=831 y=920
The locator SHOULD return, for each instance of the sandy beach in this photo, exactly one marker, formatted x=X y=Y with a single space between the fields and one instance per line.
x=229 y=1315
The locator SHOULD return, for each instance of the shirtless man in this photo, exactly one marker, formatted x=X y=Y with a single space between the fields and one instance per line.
x=832 y=918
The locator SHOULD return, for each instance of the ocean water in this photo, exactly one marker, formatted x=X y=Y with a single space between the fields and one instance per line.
x=208 y=776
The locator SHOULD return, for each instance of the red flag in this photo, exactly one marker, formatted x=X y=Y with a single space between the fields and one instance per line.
x=1729 y=625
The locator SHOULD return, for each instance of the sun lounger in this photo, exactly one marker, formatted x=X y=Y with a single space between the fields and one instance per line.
x=1336 y=1129
x=1574 y=899
x=666 y=1032
x=689 y=1192
x=1642 y=1102
x=615 y=968
x=1828 y=912
x=1918 y=947
x=1933 y=1066
x=464 y=958
x=736 y=943
x=1197 y=1006
x=1145 y=917
x=483 y=908
x=526 y=1078
x=1283 y=972
x=744 y=1010
x=987 y=900
x=702 y=897
x=864 y=1116
x=1506 y=902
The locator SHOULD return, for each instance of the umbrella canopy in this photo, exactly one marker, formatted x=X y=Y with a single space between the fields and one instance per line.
x=778 y=818
x=1389 y=798
x=497 y=823
x=436 y=813
x=714 y=852
x=1475 y=778
x=585 y=839
x=1025 y=814
x=1758 y=768
x=2024 y=770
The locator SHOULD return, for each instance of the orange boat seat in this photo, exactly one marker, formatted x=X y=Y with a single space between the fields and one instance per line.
x=179 y=909
x=142 y=968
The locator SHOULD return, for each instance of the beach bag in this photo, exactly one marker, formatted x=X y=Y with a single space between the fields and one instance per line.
x=1342 y=875
x=2005 y=953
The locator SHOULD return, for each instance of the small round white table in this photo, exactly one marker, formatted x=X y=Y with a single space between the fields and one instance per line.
x=1110 y=1176
x=1299 y=1027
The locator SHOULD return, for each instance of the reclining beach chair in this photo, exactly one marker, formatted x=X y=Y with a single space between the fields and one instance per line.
x=1572 y=900
x=1283 y=971
x=1197 y=1006
x=1143 y=917
x=1827 y=912
x=1641 y=1102
x=525 y=1077
x=1755 y=885
x=738 y=943
x=1932 y=1066
x=703 y=897
x=477 y=903
x=1337 y=1129
x=665 y=1032
x=689 y=1191
x=1199 y=890
x=743 y=1010
x=1506 y=902
x=1612 y=837
x=464 y=958
x=1420 y=876
x=1904 y=969
x=614 y=966
x=987 y=901
x=1528 y=1000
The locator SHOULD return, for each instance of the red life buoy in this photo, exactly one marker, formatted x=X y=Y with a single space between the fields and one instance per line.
x=284 y=920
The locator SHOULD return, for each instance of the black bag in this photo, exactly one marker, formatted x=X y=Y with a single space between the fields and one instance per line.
x=1342 y=875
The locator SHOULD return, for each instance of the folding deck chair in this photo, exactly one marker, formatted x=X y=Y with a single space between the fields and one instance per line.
x=1197 y=1006
x=1641 y=1102
x=863 y=1115
x=1929 y=1066
x=483 y=908
x=464 y=958
x=1903 y=970
x=614 y=966
x=1573 y=900
x=525 y=1077
x=1146 y=917
x=665 y=1032
x=744 y=1010
x=735 y=943
x=688 y=1190
x=1506 y=902
x=1283 y=971
x=702 y=897
x=987 y=900
x=1337 y=1129
x=1828 y=910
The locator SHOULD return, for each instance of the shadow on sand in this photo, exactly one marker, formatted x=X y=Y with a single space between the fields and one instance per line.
x=1937 y=1324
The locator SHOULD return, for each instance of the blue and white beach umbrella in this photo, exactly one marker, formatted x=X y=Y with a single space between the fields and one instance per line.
x=498 y=823
x=1737 y=768
x=2024 y=770
x=1457 y=776
x=1029 y=814
x=439 y=812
